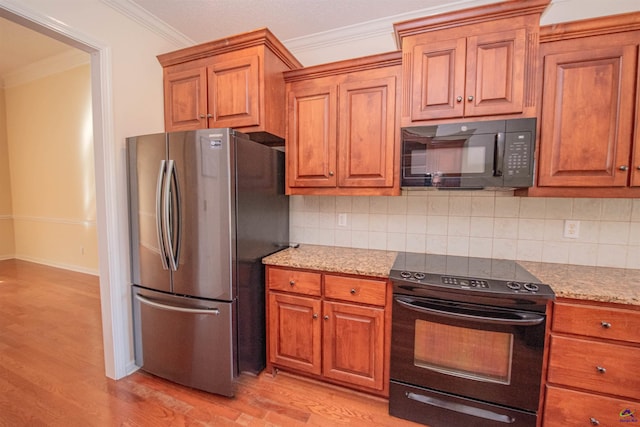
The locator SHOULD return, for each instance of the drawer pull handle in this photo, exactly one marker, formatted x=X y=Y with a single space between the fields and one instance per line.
x=605 y=325
x=292 y=282
x=594 y=422
x=601 y=369
x=353 y=291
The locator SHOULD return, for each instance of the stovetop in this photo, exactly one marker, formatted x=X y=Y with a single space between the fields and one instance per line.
x=484 y=276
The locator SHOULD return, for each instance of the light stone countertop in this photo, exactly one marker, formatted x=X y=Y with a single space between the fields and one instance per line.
x=615 y=285
x=364 y=262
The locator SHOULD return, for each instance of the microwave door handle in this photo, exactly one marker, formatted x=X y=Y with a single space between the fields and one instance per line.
x=526 y=319
x=498 y=154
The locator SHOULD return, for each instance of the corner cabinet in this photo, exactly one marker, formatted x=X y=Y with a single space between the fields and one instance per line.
x=233 y=82
x=593 y=360
x=342 y=136
x=334 y=328
x=470 y=63
x=589 y=144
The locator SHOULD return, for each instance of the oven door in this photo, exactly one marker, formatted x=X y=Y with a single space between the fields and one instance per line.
x=474 y=351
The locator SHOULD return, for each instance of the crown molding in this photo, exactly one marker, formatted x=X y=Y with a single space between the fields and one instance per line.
x=150 y=21
x=377 y=28
x=54 y=64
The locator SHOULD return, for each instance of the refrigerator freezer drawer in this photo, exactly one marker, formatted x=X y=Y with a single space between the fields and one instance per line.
x=185 y=340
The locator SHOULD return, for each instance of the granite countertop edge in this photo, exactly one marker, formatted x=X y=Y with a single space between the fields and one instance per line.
x=601 y=284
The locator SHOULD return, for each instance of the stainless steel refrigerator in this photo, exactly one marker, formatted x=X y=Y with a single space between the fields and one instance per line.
x=205 y=207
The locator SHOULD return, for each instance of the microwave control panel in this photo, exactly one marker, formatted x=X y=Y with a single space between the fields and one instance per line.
x=517 y=157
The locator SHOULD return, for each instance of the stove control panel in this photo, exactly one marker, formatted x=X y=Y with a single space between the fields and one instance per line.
x=470 y=283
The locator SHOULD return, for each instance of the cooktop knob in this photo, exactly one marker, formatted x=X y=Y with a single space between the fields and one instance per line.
x=513 y=285
x=419 y=276
x=531 y=287
x=405 y=274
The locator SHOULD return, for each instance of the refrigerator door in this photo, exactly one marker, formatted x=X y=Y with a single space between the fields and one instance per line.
x=185 y=340
x=147 y=171
x=201 y=221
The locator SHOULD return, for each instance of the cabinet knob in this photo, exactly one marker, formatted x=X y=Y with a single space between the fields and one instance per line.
x=326 y=317
x=623 y=167
x=605 y=325
x=594 y=422
x=601 y=370
x=470 y=98
x=330 y=173
x=315 y=315
x=638 y=167
x=202 y=116
x=292 y=282
x=459 y=99
x=353 y=291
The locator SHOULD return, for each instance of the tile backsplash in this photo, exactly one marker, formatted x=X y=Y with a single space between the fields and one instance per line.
x=475 y=223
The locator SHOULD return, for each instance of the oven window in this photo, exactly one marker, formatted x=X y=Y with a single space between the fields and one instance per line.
x=449 y=159
x=464 y=352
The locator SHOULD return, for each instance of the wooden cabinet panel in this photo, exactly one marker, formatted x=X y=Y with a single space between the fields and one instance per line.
x=342 y=134
x=294 y=332
x=587 y=112
x=311 y=145
x=367 y=132
x=353 y=344
x=341 y=336
x=300 y=282
x=234 y=92
x=495 y=73
x=438 y=92
x=599 y=322
x=185 y=100
x=593 y=365
x=471 y=62
x=362 y=291
x=568 y=408
x=240 y=85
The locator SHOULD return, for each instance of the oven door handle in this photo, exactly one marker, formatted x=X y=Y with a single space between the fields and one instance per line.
x=524 y=319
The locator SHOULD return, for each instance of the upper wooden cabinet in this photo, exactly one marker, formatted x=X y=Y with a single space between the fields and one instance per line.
x=233 y=82
x=588 y=141
x=470 y=63
x=342 y=135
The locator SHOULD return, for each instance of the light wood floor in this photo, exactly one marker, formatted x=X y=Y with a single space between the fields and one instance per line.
x=52 y=371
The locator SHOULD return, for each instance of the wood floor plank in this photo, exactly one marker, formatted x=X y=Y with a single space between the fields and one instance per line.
x=52 y=372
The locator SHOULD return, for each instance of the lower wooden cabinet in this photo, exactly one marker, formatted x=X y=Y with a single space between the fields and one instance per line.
x=331 y=327
x=593 y=361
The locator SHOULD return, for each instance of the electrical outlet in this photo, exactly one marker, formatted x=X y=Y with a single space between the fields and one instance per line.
x=571 y=229
x=342 y=220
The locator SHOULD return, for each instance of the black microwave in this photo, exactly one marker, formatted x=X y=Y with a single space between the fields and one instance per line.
x=494 y=154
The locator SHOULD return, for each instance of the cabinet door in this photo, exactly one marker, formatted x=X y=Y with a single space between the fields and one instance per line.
x=294 y=332
x=367 y=132
x=587 y=112
x=495 y=73
x=438 y=80
x=185 y=100
x=234 y=92
x=311 y=137
x=353 y=344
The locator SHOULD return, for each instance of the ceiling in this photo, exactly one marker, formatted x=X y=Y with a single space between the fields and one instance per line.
x=287 y=19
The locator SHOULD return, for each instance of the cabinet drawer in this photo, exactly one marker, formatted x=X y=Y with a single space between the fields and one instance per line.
x=300 y=282
x=565 y=408
x=602 y=367
x=365 y=291
x=601 y=322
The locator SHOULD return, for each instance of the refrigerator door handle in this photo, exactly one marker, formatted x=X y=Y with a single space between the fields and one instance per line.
x=170 y=183
x=178 y=213
x=144 y=300
x=159 y=216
